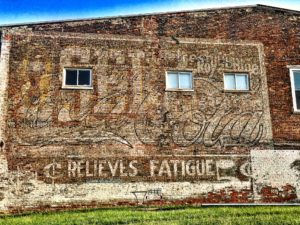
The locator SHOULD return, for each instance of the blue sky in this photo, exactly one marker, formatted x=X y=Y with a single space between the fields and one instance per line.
x=19 y=11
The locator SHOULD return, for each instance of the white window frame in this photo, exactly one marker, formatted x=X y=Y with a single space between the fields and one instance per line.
x=236 y=74
x=179 y=89
x=292 y=70
x=66 y=86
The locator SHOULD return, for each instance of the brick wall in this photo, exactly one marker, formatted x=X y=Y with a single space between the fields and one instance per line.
x=128 y=140
x=277 y=29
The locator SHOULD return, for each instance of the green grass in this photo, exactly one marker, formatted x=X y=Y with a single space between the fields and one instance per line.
x=191 y=215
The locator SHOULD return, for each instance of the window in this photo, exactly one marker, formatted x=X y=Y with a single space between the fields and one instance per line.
x=295 y=82
x=77 y=78
x=179 y=80
x=236 y=82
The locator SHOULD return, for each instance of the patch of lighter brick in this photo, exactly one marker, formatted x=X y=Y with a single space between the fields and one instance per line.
x=275 y=168
x=265 y=94
x=61 y=194
x=4 y=70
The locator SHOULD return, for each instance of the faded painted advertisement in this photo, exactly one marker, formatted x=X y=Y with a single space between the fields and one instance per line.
x=127 y=139
x=128 y=106
x=266 y=176
x=173 y=168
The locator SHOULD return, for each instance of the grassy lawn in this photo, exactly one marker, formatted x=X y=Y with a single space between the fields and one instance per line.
x=191 y=215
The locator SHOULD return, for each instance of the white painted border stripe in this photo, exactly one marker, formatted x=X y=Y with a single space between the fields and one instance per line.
x=4 y=70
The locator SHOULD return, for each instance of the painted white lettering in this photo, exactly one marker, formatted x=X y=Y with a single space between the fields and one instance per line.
x=134 y=169
x=165 y=169
x=153 y=167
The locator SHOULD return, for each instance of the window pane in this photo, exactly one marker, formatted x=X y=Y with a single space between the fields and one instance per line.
x=71 y=77
x=84 y=77
x=297 y=80
x=241 y=82
x=298 y=99
x=185 y=81
x=229 y=82
x=172 y=80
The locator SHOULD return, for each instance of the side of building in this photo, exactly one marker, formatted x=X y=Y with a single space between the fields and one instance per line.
x=153 y=109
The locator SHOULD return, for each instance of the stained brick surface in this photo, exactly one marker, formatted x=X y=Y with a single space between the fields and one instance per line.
x=277 y=29
x=128 y=140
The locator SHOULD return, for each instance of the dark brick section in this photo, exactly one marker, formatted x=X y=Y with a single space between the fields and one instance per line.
x=285 y=193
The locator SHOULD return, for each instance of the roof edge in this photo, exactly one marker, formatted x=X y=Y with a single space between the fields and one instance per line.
x=278 y=8
x=151 y=14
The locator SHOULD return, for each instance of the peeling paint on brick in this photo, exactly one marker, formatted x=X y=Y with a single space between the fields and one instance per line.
x=130 y=141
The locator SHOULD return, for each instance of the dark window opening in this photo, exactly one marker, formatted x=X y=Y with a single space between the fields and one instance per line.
x=297 y=88
x=77 y=78
x=71 y=77
x=84 y=77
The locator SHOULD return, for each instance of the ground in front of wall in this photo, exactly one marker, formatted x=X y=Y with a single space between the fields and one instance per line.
x=170 y=215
